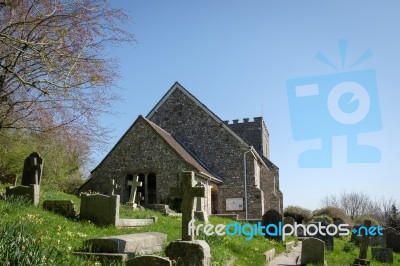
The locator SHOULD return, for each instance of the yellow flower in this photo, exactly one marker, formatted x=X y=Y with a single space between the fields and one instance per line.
x=23 y=248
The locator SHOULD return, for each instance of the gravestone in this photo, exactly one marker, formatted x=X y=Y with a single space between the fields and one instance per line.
x=113 y=186
x=100 y=209
x=337 y=222
x=33 y=169
x=362 y=258
x=193 y=253
x=312 y=251
x=188 y=251
x=134 y=184
x=392 y=239
x=272 y=219
x=200 y=214
x=131 y=244
x=149 y=260
x=288 y=220
x=300 y=232
x=63 y=207
x=354 y=234
x=138 y=198
x=31 y=193
x=30 y=183
x=9 y=179
x=187 y=191
x=378 y=240
x=327 y=238
x=384 y=255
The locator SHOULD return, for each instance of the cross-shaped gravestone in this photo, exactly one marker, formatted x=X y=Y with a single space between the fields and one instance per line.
x=113 y=186
x=134 y=184
x=187 y=191
x=138 y=198
x=33 y=169
x=362 y=258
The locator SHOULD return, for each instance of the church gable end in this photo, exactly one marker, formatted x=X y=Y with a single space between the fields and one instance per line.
x=201 y=132
x=145 y=149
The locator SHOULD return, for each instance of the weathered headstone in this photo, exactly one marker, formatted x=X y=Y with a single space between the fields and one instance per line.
x=196 y=253
x=392 y=239
x=149 y=260
x=200 y=214
x=322 y=234
x=362 y=258
x=354 y=234
x=378 y=240
x=30 y=193
x=134 y=184
x=187 y=192
x=337 y=222
x=272 y=220
x=382 y=254
x=113 y=186
x=312 y=251
x=288 y=220
x=100 y=209
x=132 y=244
x=9 y=179
x=138 y=198
x=63 y=207
x=188 y=251
x=33 y=169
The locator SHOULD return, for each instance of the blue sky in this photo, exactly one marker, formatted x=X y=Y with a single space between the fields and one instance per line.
x=236 y=58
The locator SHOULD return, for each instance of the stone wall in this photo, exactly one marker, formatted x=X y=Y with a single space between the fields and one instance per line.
x=270 y=185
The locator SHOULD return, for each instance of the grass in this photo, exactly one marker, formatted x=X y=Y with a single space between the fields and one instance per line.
x=345 y=253
x=32 y=236
x=50 y=238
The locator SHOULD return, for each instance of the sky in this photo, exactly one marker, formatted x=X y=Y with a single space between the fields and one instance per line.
x=245 y=59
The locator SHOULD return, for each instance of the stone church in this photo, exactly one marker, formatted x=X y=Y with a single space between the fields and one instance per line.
x=181 y=134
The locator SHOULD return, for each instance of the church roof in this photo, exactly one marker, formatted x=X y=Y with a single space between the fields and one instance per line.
x=174 y=144
x=179 y=149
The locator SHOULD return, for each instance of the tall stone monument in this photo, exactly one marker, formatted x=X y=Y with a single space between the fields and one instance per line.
x=188 y=251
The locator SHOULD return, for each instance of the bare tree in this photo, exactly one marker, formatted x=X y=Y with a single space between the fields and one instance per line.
x=353 y=204
x=356 y=204
x=54 y=73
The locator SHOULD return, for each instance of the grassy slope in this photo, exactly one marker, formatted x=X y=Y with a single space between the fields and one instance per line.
x=64 y=234
x=67 y=235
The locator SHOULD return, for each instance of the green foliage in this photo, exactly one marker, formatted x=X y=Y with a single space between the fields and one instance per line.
x=62 y=167
x=297 y=213
x=325 y=217
x=349 y=247
x=394 y=218
x=362 y=218
x=333 y=213
x=19 y=247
